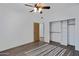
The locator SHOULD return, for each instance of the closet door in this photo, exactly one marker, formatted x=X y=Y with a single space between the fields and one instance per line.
x=55 y=31
x=71 y=34
x=64 y=32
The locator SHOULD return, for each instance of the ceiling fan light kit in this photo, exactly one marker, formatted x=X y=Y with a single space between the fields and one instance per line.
x=35 y=9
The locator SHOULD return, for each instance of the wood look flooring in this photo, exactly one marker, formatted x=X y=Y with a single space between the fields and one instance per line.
x=41 y=49
x=21 y=49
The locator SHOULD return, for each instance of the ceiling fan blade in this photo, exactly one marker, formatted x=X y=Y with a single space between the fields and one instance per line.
x=46 y=7
x=31 y=11
x=28 y=5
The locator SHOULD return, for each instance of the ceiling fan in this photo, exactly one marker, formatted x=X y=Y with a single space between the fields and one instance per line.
x=38 y=7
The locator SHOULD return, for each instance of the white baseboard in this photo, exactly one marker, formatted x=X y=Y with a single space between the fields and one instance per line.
x=63 y=43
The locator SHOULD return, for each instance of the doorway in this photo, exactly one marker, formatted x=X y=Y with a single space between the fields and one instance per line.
x=42 y=32
x=36 y=32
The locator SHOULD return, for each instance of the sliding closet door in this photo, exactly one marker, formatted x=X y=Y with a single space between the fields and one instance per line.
x=64 y=32
x=55 y=31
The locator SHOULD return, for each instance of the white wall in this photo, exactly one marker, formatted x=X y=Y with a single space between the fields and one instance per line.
x=16 y=25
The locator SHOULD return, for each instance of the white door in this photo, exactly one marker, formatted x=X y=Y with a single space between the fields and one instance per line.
x=64 y=32
x=71 y=34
